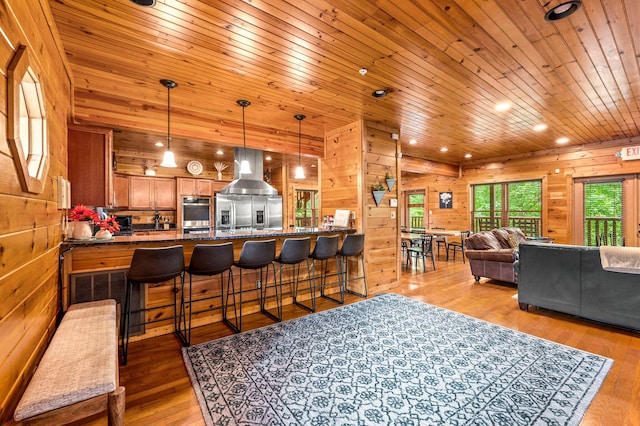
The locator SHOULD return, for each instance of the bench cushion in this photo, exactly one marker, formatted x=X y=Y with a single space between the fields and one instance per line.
x=80 y=362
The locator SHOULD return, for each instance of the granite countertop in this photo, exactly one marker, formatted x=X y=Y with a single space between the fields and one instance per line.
x=175 y=235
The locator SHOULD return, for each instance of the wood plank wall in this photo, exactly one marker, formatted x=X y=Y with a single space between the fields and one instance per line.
x=30 y=224
x=593 y=160
x=356 y=156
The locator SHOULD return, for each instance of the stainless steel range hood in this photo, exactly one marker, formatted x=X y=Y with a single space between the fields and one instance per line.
x=248 y=184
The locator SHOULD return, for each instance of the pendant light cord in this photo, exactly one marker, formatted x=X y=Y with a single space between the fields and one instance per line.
x=169 y=117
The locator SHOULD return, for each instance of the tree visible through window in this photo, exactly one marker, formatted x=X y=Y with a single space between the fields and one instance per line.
x=603 y=213
x=517 y=204
x=415 y=209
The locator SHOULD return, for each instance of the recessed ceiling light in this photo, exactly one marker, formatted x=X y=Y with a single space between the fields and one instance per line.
x=444 y=149
x=363 y=71
x=563 y=10
x=379 y=93
x=219 y=152
x=313 y=165
x=562 y=140
x=144 y=3
x=468 y=156
x=503 y=106
x=159 y=144
x=413 y=142
x=539 y=127
x=268 y=158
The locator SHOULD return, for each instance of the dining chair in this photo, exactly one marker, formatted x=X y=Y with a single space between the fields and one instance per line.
x=423 y=250
x=440 y=240
x=458 y=245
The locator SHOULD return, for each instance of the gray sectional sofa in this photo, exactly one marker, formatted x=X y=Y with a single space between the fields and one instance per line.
x=570 y=279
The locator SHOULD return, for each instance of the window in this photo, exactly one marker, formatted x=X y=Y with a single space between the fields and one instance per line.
x=415 y=209
x=27 y=122
x=517 y=204
x=306 y=208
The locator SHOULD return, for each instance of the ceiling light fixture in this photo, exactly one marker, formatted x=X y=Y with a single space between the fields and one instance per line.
x=245 y=168
x=379 y=93
x=562 y=140
x=413 y=142
x=539 y=127
x=503 y=106
x=563 y=10
x=169 y=160
x=219 y=152
x=299 y=169
x=363 y=71
x=468 y=156
x=444 y=149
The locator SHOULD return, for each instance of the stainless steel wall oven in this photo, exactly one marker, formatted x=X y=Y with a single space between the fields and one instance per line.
x=196 y=214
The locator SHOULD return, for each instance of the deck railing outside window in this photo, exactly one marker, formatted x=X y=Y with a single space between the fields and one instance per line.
x=603 y=231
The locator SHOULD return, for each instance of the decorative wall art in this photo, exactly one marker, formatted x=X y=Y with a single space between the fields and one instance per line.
x=446 y=200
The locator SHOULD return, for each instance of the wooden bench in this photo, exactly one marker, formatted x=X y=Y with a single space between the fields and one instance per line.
x=78 y=374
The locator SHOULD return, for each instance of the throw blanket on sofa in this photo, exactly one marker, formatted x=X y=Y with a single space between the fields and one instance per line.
x=620 y=259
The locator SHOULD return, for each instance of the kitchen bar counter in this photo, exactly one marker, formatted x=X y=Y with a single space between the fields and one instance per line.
x=176 y=236
x=96 y=269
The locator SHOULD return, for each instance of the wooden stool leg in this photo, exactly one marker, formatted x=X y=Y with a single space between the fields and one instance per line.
x=116 y=407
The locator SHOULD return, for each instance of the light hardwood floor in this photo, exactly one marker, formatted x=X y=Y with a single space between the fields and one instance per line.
x=159 y=391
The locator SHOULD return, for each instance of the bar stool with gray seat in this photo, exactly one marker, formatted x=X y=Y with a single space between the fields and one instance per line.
x=294 y=251
x=152 y=266
x=352 y=246
x=257 y=255
x=210 y=260
x=327 y=247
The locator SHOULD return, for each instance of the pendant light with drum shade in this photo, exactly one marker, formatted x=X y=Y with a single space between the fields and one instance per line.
x=169 y=159
x=299 y=169
x=245 y=168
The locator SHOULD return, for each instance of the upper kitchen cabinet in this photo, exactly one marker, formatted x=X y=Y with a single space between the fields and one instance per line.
x=90 y=165
x=121 y=191
x=152 y=193
x=195 y=187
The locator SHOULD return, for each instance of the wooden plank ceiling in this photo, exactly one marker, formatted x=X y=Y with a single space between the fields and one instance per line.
x=445 y=63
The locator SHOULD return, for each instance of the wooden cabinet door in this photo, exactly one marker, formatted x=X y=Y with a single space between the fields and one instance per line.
x=89 y=153
x=141 y=193
x=165 y=194
x=186 y=187
x=205 y=188
x=121 y=191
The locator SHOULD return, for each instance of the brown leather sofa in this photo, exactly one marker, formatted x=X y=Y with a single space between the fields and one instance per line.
x=492 y=254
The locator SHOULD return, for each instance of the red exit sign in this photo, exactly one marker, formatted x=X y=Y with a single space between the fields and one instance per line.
x=630 y=153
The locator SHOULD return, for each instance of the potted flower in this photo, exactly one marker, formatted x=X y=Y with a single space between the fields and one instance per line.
x=83 y=219
x=108 y=227
x=378 y=192
x=390 y=180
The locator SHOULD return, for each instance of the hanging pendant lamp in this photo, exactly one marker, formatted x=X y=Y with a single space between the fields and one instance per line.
x=299 y=169
x=245 y=167
x=169 y=160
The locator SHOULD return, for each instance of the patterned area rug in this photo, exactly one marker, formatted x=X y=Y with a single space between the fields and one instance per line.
x=391 y=360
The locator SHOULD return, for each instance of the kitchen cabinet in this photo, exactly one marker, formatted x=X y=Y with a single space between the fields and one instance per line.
x=195 y=187
x=121 y=191
x=89 y=151
x=152 y=193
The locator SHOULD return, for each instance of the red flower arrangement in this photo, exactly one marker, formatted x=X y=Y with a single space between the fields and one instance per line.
x=110 y=224
x=83 y=214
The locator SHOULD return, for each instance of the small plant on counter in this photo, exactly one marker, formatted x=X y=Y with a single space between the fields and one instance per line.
x=110 y=224
x=81 y=213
